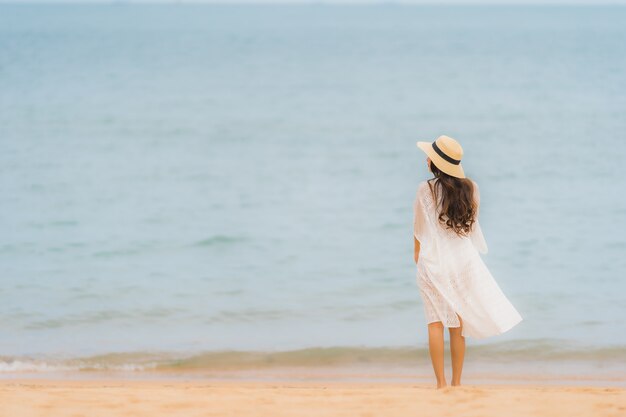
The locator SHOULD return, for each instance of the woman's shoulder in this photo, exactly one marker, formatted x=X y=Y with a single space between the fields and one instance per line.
x=425 y=190
x=475 y=184
x=424 y=186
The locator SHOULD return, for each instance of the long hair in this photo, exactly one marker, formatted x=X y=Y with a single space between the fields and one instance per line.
x=457 y=203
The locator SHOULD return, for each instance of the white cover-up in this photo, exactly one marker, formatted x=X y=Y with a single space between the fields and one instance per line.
x=452 y=277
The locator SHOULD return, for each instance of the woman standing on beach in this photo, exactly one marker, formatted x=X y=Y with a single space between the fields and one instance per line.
x=455 y=285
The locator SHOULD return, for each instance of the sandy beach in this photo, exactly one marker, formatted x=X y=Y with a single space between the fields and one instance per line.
x=50 y=397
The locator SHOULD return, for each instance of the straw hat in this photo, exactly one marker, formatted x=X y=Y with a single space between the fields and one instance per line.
x=446 y=154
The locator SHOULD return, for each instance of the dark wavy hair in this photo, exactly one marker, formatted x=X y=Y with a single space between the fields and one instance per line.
x=457 y=202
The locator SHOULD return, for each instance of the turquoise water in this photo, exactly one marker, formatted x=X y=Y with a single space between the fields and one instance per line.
x=193 y=178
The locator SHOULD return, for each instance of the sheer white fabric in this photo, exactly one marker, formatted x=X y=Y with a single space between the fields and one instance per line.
x=452 y=277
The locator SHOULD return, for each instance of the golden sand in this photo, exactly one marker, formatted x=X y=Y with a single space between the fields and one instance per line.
x=188 y=398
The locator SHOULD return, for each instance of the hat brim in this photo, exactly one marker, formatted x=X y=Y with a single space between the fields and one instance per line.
x=442 y=164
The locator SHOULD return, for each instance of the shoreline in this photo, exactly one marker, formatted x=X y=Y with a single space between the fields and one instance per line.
x=354 y=374
x=505 y=357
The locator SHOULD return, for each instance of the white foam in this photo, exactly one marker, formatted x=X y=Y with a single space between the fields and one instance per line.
x=13 y=366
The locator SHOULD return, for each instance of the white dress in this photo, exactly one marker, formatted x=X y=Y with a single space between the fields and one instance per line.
x=452 y=277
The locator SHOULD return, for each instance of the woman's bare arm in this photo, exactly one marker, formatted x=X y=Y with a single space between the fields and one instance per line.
x=416 y=250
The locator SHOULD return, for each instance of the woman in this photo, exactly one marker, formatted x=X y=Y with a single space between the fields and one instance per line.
x=455 y=285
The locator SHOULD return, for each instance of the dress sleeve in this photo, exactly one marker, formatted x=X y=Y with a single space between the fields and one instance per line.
x=419 y=219
x=477 y=233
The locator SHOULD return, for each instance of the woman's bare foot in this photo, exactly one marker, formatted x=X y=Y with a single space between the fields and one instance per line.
x=442 y=385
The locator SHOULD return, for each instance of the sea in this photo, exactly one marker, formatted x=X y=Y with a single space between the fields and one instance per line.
x=215 y=186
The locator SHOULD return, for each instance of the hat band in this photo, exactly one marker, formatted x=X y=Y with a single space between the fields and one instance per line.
x=444 y=156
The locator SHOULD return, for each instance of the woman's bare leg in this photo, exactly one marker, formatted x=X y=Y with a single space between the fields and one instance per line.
x=457 y=352
x=435 y=347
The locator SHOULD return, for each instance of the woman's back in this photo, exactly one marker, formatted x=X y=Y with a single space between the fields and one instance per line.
x=435 y=238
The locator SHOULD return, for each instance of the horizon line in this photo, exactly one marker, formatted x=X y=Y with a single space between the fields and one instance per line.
x=327 y=2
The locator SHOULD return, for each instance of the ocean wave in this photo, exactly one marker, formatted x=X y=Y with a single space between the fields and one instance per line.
x=527 y=351
x=219 y=240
